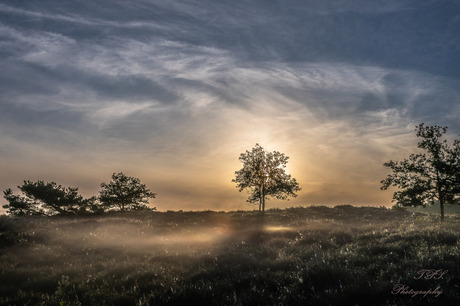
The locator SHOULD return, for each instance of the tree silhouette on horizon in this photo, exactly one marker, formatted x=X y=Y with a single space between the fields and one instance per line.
x=43 y=198
x=125 y=192
x=263 y=174
x=426 y=177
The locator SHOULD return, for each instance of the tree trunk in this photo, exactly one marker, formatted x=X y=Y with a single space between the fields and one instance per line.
x=441 y=205
x=440 y=194
x=263 y=198
x=260 y=198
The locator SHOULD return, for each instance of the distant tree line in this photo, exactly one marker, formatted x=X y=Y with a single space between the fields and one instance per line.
x=422 y=179
x=40 y=198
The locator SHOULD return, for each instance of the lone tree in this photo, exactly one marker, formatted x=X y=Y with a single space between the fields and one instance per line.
x=430 y=176
x=126 y=193
x=42 y=198
x=263 y=174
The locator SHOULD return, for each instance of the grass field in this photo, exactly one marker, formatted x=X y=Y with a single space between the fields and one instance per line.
x=298 y=256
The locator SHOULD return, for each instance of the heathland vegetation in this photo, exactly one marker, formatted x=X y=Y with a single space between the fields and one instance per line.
x=298 y=256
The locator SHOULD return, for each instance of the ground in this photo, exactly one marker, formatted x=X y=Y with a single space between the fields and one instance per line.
x=297 y=256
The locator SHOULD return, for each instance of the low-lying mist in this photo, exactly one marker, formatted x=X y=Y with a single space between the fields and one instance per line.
x=315 y=255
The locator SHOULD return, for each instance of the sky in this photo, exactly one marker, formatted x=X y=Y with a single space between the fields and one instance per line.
x=171 y=92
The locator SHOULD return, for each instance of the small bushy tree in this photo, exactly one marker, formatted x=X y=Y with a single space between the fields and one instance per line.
x=426 y=177
x=263 y=174
x=125 y=193
x=43 y=198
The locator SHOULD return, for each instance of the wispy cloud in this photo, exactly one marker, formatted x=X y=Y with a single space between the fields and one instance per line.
x=185 y=86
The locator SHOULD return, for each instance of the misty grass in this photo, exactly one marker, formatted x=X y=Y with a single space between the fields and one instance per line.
x=298 y=256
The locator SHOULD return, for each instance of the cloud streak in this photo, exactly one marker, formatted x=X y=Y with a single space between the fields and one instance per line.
x=182 y=88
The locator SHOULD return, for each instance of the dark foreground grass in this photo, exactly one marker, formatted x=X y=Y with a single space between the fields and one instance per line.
x=298 y=256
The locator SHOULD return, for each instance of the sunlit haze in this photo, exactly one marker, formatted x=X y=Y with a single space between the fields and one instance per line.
x=172 y=92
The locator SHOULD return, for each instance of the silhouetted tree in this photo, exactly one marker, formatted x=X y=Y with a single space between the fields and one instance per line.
x=42 y=198
x=263 y=174
x=426 y=177
x=125 y=192
x=91 y=206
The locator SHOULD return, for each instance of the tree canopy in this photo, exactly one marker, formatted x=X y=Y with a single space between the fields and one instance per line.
x=43 y=198
x=125 y=193
x=263 y=174
x=427 y=177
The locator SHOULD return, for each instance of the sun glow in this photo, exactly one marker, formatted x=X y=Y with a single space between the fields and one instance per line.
x=278 y=228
